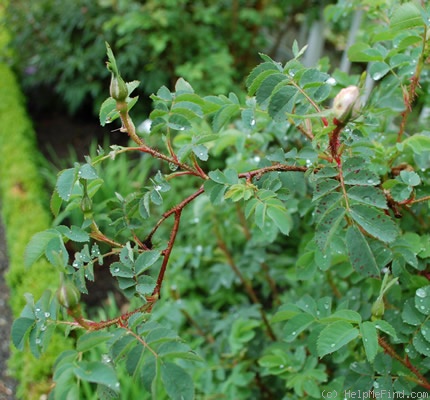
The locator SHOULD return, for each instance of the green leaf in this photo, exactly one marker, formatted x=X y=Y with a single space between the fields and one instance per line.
x=368 y=195
x=258 y=74
x=146 y=260
x=201 y=152
x=87 y=171
x=362 y=177
x=329 y=226
x=56 y=252
x=55 y=203
x=92 y=339
x=385 y=327
x=418 y=143
x=422 y=300
x=178 y=122
x=74 y=233
x=228 y=177
x=411 y=315
x=20 y=328
x=97 y=372
x=177 y=382
x=369 y=337
x=65 y=183
x=313 y=77
x=215 y=191
x=362 y=52
x=120 y=270
x=297 y=325
x=108 y=111
x=281 y=217
x=374 y=222
x=378 y=70
x=281 y=102
x=323 y=187
x=224 y=115
x=335 y=336
x=410 y=178
x=145 y=285
x=406 y=16
x=183 y=87
x=268 y=85
x=343 y=315
x=37 y=245
x=360 y=254
x=421 y=344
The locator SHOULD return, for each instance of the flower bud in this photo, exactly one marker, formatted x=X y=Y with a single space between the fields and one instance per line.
x=118 y=88
x=87 y=206
x=68 y=295
x=346 y=104
x=378 y=308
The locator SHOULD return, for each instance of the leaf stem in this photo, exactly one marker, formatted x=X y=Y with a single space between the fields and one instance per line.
x=422 y=381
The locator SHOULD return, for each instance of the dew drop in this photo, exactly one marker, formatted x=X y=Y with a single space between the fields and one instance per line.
x=38 y=341
x=294 y=333
x=43 y=328
x=376 y=385
x=376 y=76
x=106 y=359
x=370 y=181
x=173 y=167
x=331 y=81
x=282 y=366
x=332 y=345
x=257 y=159
x=421 y=293
x=47 y=314
x=252 y=123
x=116 y=269
x=199 y=248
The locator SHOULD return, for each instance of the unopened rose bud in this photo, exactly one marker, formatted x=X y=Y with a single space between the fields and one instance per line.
x=346 y=104
x=118 y=88
x=68 y=295
x=378 y=308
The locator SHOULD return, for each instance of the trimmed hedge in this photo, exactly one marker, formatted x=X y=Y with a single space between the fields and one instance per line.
x=24 y=212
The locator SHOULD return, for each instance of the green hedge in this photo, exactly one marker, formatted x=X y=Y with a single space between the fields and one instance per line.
x=24 y=212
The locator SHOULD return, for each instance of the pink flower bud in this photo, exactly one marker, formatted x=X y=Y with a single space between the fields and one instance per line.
x=346 y=104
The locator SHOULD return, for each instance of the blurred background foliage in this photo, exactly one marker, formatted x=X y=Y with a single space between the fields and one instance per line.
x=59 y=45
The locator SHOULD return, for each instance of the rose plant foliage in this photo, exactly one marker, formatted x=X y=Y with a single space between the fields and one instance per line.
x=274 y=246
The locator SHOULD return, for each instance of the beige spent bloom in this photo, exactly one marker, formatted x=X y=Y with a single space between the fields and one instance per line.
x=347 y=104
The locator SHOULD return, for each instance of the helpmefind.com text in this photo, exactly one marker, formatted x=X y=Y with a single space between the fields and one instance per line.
x=372 y=394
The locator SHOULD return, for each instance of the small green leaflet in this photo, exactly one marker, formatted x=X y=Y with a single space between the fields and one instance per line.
x=360 y=253
x=369 y=337
x=330 y=224
x=97 y=372
x=65 y=182
x=335 y=336
x=406 y=16
x=177 y=382
x=374 y=222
